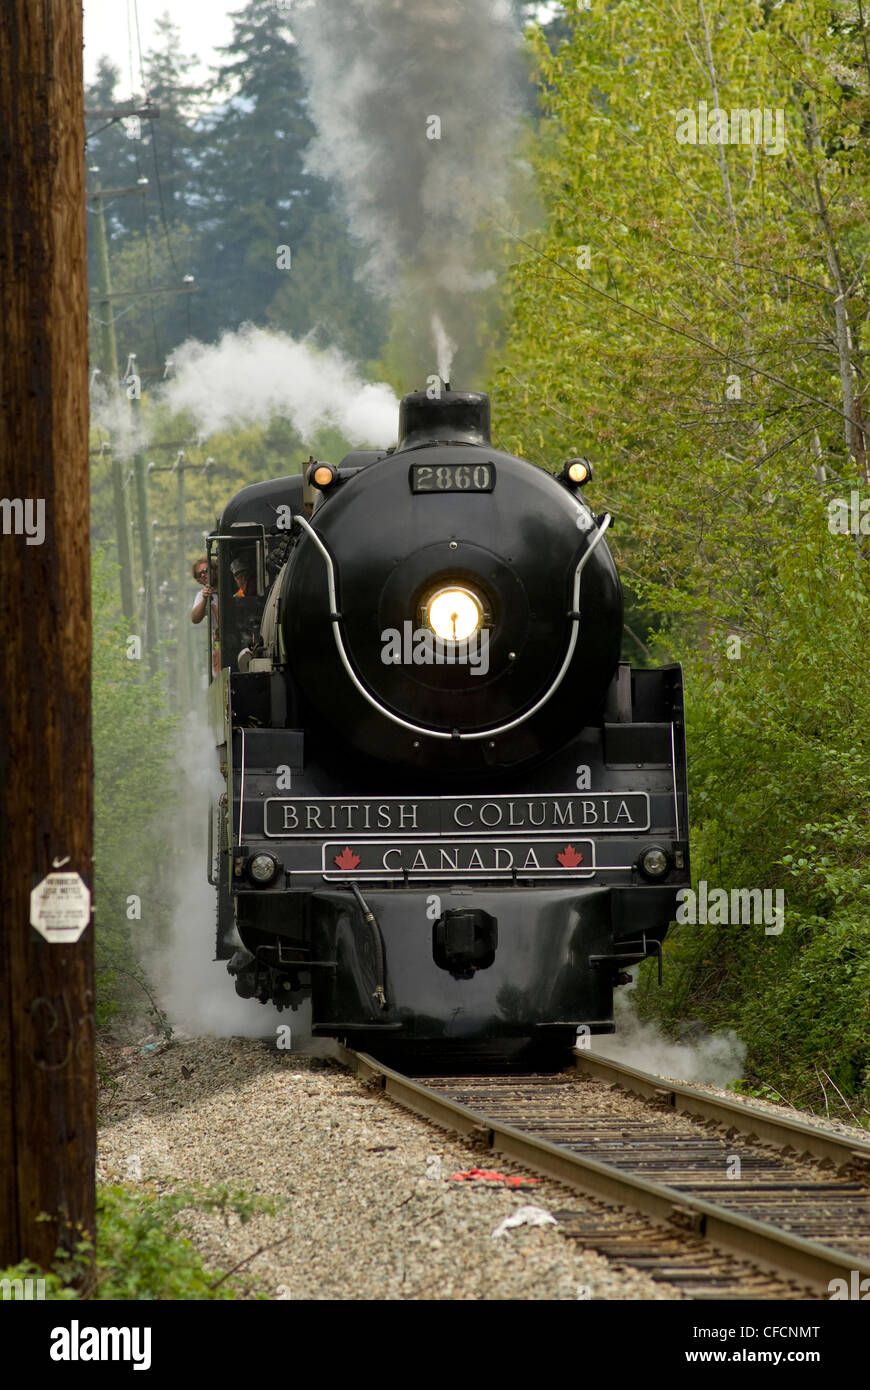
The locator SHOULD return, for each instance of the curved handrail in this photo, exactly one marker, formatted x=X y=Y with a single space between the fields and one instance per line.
x=453 y=735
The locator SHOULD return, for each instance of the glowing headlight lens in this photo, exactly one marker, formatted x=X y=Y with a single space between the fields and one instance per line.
x=578 y=472
x=453 y=614
x=263 y=868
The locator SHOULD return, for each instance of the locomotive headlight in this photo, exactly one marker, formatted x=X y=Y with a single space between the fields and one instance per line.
x=654 y=862
x=453 y=614
x=263 y=868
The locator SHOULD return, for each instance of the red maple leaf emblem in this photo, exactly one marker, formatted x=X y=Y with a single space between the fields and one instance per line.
x=569 y=858
x=347 y=859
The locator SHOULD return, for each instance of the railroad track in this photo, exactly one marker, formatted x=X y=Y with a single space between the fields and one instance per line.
x=714 y=1197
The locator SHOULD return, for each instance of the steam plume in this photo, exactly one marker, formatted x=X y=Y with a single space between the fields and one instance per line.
x=444 y=348
x=711 y=1059
x=251 y=376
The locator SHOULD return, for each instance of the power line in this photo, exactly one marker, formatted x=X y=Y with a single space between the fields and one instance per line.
x=139 y=43
x=133 y=8
x=154 y=151
x=145 y=218
x=160 y=196
x=130 y=49
x=147 y=231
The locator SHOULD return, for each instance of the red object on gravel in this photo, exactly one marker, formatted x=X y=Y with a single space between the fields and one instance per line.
x=490 y=1175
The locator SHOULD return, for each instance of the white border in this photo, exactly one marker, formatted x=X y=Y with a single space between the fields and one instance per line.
x=516 y=833
x=416 y=875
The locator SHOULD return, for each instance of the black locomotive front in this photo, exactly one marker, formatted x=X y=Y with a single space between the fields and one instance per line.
x=452 y=816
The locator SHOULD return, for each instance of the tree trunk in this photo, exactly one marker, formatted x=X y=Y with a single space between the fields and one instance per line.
x=853 y=434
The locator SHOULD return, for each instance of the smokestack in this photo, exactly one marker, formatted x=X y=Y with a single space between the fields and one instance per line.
x=454 y=417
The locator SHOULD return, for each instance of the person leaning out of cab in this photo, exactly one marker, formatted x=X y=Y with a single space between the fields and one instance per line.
x=200 y=571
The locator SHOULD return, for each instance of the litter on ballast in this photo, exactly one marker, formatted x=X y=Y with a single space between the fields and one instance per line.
x=491 y=1175
x=524 y=1216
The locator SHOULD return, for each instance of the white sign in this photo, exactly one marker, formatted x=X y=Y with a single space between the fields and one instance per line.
x=60 y=907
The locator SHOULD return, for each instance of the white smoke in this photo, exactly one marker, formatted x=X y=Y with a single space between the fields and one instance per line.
x=113 y=412
x=712 y=1059
x=445 y=348
x=195 y=990
x=251 y=376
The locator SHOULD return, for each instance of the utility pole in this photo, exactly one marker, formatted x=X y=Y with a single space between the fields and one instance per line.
x=109 y=353
x=184 y=672
x=183 y=634
x=132 y=382
x=134 y=390
x=47 y=1073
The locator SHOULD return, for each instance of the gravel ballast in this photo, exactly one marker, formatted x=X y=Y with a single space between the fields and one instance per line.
x=372 y=1211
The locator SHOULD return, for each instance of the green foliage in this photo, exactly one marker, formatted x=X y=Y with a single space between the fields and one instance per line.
x=56 y=1289
x=702 y=360
x=142 y=1251
x=132 y=779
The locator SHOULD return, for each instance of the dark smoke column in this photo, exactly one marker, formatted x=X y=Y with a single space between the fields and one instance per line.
x=415 y=103
x=47 y=1085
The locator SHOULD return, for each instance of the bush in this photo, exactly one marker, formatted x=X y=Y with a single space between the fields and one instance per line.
x=132 y=779
x=142 y=1252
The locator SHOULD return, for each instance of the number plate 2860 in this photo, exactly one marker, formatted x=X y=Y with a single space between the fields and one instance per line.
x=452 y=477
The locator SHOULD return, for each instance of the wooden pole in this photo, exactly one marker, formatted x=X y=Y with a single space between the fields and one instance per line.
x=47 y=1077
x=149 y=580
x=182 y=621
x=109 y=363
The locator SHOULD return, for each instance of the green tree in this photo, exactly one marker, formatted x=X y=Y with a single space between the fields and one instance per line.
x=694 y=315
x=132 y=778
x=152 y=236
x=258 y=195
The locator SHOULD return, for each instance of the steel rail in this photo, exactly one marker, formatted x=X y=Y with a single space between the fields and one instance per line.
x=781 y=1131
x=774 y=1250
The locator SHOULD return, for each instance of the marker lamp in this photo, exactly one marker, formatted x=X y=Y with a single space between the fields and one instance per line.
x=263 y=868
x=322 y=475
x=654 y=862
x=576 y=472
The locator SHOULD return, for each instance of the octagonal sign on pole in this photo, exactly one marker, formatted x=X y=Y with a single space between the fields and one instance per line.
x=60 y=907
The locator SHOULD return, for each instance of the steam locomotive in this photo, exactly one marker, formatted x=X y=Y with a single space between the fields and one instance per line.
x=452 y=816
